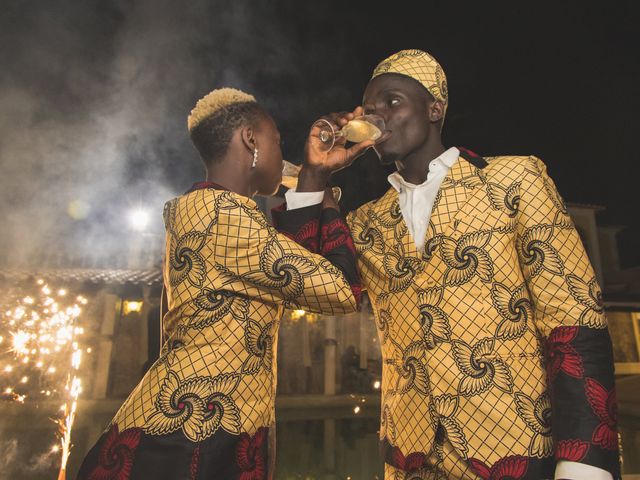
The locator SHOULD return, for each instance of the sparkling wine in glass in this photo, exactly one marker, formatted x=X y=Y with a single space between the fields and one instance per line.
x=290 y=173
x=360 y=129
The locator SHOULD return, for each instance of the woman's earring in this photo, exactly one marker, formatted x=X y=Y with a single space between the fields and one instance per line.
x=255 y=158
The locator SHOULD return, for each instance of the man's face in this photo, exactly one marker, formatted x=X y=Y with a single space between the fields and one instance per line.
x=404 y=104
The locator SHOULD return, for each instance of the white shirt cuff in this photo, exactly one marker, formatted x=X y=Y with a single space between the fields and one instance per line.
x=302 y=199
x=579 y=471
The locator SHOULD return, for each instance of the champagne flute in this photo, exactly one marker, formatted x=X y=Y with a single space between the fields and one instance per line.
x=360 y=129
x=290 y=173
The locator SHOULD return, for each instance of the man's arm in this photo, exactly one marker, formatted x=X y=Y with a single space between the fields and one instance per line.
x=570 y=319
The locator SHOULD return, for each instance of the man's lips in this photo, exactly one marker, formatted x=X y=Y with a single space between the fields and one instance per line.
x=384 y=137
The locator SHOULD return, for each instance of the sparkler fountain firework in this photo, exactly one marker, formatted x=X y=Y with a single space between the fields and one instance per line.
x=40 y=354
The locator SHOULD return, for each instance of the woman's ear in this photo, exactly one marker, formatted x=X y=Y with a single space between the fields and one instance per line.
x=248 y=138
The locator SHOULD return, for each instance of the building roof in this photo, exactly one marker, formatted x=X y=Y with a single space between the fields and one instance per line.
x=85 y=275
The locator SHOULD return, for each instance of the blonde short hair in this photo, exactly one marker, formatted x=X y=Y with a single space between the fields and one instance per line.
x=215 y=101
x=216 y=116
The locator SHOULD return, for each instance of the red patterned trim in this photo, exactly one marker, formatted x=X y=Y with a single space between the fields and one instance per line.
x=472 y=157
x=468 y=152
x=307 y=236
x=411 y=462
x=508 y=468
x=572 y=450
x=561 y=355
x=251 y=455
x=335 y=234
x=195 y=463
x=117 y=453
x=603 y=403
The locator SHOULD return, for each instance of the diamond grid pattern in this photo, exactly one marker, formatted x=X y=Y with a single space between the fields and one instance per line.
x=413 y=404
x=461 y=181
x=235 y=236
x=489 y=420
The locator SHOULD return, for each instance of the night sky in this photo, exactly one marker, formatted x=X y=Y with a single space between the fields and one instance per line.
x=95 y=96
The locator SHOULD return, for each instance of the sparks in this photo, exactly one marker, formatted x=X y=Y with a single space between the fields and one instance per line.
x=44 y=338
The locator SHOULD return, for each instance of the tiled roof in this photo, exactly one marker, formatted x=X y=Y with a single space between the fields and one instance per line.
x=94 y=276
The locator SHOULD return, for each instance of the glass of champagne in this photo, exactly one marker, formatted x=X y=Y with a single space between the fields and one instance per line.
x=365 y=127
x=290 y=173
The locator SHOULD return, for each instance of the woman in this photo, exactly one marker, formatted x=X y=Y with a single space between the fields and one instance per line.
x=205 y=408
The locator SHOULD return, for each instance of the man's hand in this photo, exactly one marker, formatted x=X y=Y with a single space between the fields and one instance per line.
x=319 y=162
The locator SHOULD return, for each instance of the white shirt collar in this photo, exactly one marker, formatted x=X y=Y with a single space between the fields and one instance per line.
x=446 y=159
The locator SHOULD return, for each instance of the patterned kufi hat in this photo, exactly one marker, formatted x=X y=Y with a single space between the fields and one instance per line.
x=420 y=66
x=215 y=101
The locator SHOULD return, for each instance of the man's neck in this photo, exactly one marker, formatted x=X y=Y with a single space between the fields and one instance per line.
x=415 y=167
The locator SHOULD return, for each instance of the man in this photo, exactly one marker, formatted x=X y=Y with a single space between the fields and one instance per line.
x=497 y=362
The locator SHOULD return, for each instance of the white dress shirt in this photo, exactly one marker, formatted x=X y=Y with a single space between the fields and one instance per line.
x=416 y=201
x=416 y=205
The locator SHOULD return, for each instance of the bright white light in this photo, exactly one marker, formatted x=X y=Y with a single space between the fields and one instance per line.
x=132 y=306
x=139 y=219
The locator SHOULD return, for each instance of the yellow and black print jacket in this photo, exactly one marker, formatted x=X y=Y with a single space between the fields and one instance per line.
x=203 y=410
x=494 y=337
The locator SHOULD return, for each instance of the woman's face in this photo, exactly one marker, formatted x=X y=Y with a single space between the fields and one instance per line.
x=267 y=174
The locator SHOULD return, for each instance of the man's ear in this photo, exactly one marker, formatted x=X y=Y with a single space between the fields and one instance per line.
x=436 y=111
x=248 y=138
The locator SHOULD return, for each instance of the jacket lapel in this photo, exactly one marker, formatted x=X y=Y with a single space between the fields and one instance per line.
x=465 y=176
x=389 y=221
